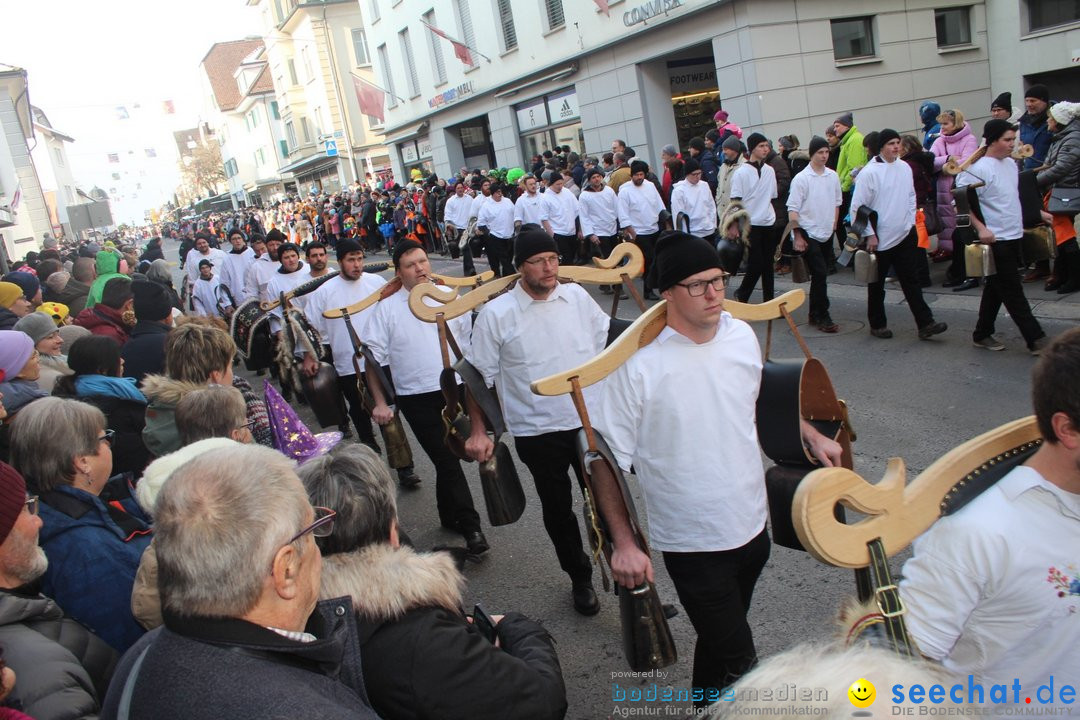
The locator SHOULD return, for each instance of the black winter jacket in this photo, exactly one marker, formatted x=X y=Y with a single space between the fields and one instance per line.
x=144 y=352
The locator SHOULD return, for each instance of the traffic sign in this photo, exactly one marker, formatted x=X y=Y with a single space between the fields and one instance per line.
x=331 y=148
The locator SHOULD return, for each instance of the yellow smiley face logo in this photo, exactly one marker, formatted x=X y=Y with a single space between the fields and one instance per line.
x=862 y=693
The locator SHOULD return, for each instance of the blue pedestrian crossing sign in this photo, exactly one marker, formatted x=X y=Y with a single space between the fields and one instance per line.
x=330 y=147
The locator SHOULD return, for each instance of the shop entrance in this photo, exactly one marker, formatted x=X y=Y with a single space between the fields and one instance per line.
x=695 y=95
x=475 y=136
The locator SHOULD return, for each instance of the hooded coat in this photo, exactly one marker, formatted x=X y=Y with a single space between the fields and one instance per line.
x=928 y=113
x=104 y=320
x=108 y=267
x=852 y=155
x=63 y=669
x=421 y=657
x=960 y=145
x=1063 y=158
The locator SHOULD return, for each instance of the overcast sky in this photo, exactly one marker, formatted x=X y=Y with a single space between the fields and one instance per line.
x=87 y=59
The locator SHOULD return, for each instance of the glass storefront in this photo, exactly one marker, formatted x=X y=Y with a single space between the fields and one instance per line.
x=695 y=96
x=548 y=122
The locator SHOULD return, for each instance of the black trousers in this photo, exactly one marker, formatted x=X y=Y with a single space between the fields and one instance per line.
x=360 y=417
x=500 y=255
x=841 y=227
x=647 y=243
x=548 y=458
x=568 y=245
x=763 y=240
x=1005 y=288
x=819 y=258
x=715 y=589
x=903 y=258
x=452 y=496
x=607 y=244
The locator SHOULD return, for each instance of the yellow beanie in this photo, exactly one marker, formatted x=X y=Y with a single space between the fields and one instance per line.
x=9 y=293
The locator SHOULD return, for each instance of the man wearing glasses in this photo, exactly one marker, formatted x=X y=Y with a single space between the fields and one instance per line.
x=239 y=574
x=689 y=434
x=52 y=656
x=538 y=328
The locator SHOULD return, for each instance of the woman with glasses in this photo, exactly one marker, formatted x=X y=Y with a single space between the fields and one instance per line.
x=97 y=379
x=94 y=533
x=421 y=656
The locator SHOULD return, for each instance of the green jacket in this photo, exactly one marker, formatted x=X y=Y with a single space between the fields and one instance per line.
x=852 y=155
x=108 y=265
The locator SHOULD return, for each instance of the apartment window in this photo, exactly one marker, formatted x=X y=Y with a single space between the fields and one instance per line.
x=278 y=12
x=387 y=76
x=465 y=20
x=1048 y=13
x=305 y=130
x=506 y=24
x=553 y=12
x=254 y=113
x=410 y=62
x=292 y=72
x=231 y=169
x=953 y=26
x=435 y=48
x=283 y=146
x=359 y=43
x=306 y=59
x=59 y=155
x=274 y=110
x=853 y=38
x=290 y=131
x=260 y=157
x=373 y=5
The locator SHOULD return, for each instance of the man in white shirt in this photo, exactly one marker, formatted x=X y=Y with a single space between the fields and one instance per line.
x=695 y=200
x=530 y=207
x=598 y=207
x=457 y=213
x=813 y=207
x=496 y=224
x=1001 y=227
x=688 y=432
x=265 y=265
x=350 y=285
x=886 y=186
x=202 y=251
x=208 y=299
x=562 y=211
x=289 y=274
x=754 y=185
x=237 y=261
x=640 y=206
x=993 y=589
x=410 y=347
x=538 y=328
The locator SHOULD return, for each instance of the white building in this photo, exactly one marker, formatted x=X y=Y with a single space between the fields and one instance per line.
x=314 y=48
x=1036 y=41
x=653 y=72
x=240 y=107
x=24 y=216
x=54 y=172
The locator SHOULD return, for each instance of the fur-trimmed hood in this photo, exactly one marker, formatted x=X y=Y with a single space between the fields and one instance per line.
x=735 y=212
x=386 y=582
x=164 y=390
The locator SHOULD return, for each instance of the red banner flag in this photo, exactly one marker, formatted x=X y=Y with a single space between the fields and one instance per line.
x=603 y=5
x=372 y=99
x=461 y=50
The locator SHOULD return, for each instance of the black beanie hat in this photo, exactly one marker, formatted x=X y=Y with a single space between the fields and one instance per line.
x=994 y=129
x=816 y=143
x=151 y=301
x=275 y=235
x=690 y=165
x=680 y=255
x=639 y=166
x=1003 y=101
x=346 y=246
x=754 y=140
x=886 y=135
x=532 y=242
x=1039 y=92
x=594 y=171
x=403 y=247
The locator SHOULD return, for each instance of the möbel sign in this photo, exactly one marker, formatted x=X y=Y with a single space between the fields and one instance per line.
x=649 y=10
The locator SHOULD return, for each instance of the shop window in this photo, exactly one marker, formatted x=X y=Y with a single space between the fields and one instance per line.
x=953 y=26
x=435 y=48
x=853 y=38
x=553 y=12
x=387 y=76
x=1048 y=13
x=506 y=24
x=464 y=16
x=410 y=62
x=359 y=42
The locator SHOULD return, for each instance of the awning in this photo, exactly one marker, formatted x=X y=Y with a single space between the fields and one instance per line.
x=309 y=164
x=261 y=182
x=407 y=133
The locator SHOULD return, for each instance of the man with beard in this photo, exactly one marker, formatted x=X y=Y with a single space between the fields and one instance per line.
x=599 y=211
x=350 y=285
x=530 y=208
x=62 y=668
x=234 y=270
x=562 y=212
x=496 y=224
x=538 y=328
x=410 y=347
x=640 y=206
x=265 y=265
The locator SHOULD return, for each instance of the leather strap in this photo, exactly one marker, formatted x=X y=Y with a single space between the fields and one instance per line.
x=887 y=596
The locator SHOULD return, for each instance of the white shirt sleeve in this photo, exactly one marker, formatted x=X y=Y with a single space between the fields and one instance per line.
x=619 y=415
x=739 y=185
x=485 y=347
x=797 y=194
x=864 y=194
x=377 y=333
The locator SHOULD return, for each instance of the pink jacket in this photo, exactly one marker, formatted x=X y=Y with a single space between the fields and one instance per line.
x=960 y=144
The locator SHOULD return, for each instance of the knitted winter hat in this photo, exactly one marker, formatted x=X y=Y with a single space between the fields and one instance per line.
x=816 y=143
x=680 y=255
x=847 y=120
x=1003 y=101
x=158 y=472
x=12 y=498
x=15 y=349
x=36 y=325
x=1039 y=92
x=9 y=293
x=1065 y=112
x=532 y=242
x=29 y=283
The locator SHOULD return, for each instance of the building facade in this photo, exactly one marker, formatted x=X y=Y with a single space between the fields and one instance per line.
x=1034 y=41
x=314 y=48
x=54 y=172
x=651 y=72
x=24 y=216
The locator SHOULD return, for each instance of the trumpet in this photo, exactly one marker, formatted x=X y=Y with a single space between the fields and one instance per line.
x=952 y=168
